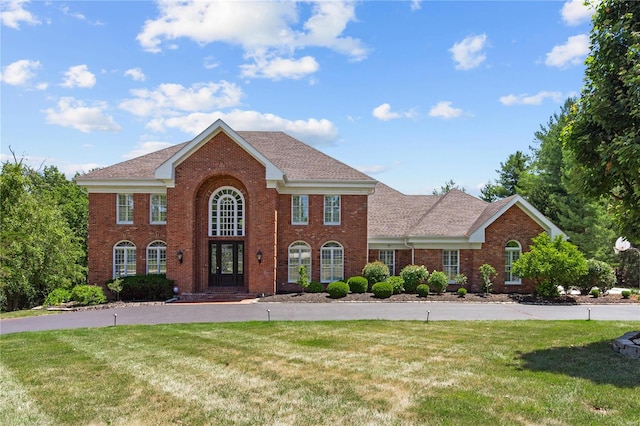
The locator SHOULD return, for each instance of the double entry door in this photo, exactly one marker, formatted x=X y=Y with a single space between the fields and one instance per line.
x=226 y=263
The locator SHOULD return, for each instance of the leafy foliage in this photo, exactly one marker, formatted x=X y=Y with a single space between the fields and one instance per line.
x=151 y=287
x=603 y=131
x=510 y=174
x=447 y=187
x=375 y=272
x=303 y=277
x=438 y=282
x=337 y=289
x=382 y=290
x=460 y=279
x=397 y=283
x=88 y=295
x=462 y=292
x=554 y=262
x=116 y=287
x=57 y=297
x=487 y=274
x=315 y=287
x=422 y=290
x=358 y=284
x=413 y=275
x=599 y=274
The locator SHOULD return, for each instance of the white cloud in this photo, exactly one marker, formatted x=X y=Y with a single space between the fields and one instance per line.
x=20 y=72
x=575 y=12
x=443 y=109
x=279 y=68
x=383 y=112
x=13 y=13
x=572 y=52
x=268 y=32
x=169 y=99
x=373 y=169
x=135 y=73
x=146 y=148
x=415 y=5
x=73 y=113
x=536 y=99
x=312 y=131
x=79 y=76
x=469 y=53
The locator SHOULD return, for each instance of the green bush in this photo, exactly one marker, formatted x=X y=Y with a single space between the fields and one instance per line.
x=547 y=290
x=397 y=283
x=382 y=290
x=338 y=289
x=422 y=290
x=438 y=281
x=57 y=297
x=487 y=273
x=358 y=284
x=600 y=274
x=460 y=279
x=315 y=287
x=375 y=272
x=625 y=294
x=85 y=295
x=149 y=287
x=595 y=292
x=413 y=275
x=462 y=292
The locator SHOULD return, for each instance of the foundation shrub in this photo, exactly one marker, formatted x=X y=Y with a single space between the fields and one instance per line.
x=422 y=290
x=358 y=284
x=57 y=297
x=438 y=281
x=413 y=275
x=338 y=289
x=397 y=283
x=150 y=287
x=547 y=290
x=88 y=295
x=600 y=274
x=375 y=272
x=462 y=292
x=315 y=287
x=595 y=292
x=625 y=294
x=382 y=290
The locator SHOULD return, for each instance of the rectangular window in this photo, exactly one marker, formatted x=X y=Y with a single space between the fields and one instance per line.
x=299 y=209
x=511 y=257
x=451 y=263
x=125 y=208
x=388 y=257
x=332 y=210
x=158 y=209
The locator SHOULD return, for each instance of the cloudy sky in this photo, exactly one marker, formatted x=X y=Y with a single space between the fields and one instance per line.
x=413 y=93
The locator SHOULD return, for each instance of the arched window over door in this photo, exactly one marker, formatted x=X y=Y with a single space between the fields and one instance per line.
x=512 y=253
x=226 y=213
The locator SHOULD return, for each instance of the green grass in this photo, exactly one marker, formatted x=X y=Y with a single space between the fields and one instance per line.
x=322 y=373
x=27 y=313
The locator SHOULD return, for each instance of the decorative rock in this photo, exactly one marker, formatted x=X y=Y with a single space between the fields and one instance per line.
x=627 y=344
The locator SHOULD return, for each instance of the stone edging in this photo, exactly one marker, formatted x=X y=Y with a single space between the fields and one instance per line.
x=628 y=344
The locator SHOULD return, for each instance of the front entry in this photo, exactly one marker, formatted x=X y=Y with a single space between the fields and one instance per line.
x=226 y=263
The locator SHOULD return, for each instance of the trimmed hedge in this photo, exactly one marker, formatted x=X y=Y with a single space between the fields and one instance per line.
x=315 y=287
x=88 y=295
x=57 y=297
x=375 y=272
x=382 y=290
x=413 y=275
x=338 y=289
x=151 y=287
x=438 y=282
x=422 y=290
x=358 y=284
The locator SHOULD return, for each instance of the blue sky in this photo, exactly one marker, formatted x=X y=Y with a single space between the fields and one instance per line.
x=413 y=93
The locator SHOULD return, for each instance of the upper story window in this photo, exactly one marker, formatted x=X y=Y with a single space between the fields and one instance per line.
x=125 y=208
x=513 y=250
x=332 y=210
x=226 y=213
x=124 y=259
x=388 y=257
x=299 y=209
x=158 y=209
x=451 y=263
x=299 y=255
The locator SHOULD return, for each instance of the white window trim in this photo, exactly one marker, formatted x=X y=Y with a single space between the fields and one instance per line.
x=156 y=222
x=392 y=268
x=294 y=222
x=241 y=233
x=508 y=250
x=332 y=249
x=324 y=211
x=309 y=266
x=129 y=246
x=123 y=222
x=156 y=250
x=451 y=280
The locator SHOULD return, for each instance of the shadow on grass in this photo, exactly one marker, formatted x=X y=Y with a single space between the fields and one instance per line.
x=596 y=362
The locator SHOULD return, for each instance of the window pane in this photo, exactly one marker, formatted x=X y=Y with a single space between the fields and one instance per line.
x=125 y=208
x=332 y=209
x=158 y=208
x=300 y=209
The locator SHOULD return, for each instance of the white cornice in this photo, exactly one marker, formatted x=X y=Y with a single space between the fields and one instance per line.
x=327 y=187
x=112 y=186
x=424 y=243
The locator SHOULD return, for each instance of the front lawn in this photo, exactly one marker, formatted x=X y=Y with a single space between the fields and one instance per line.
x=315 y=373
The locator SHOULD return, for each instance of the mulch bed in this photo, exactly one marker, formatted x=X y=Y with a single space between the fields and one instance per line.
x=451 y=297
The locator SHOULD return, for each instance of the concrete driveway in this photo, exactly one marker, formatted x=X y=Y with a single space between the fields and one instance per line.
x=232 y=312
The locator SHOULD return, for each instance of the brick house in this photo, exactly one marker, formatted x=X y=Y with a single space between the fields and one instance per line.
x=233 y=211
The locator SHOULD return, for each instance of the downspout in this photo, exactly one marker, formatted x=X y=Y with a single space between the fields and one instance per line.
x=413 y=252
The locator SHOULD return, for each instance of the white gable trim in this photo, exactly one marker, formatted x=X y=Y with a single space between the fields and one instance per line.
x=166 y=171
x=478 y=236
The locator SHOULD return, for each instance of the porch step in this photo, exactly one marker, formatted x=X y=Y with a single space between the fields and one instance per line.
x=221 y=295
